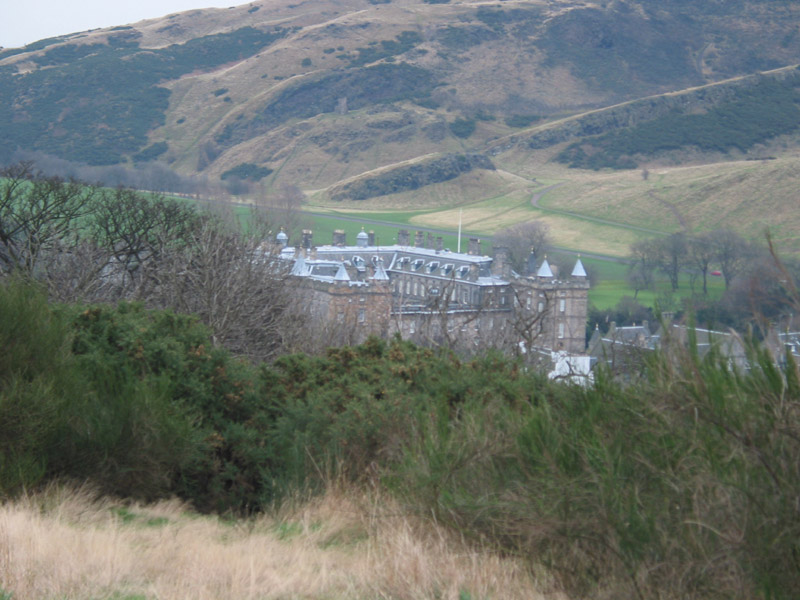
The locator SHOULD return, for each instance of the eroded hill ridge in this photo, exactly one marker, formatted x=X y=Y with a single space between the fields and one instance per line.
x=323 y=94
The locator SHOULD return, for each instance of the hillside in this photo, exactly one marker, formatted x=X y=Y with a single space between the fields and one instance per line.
x=339 y=97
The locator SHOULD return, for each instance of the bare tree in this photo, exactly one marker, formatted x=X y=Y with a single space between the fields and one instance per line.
x=528 y=325
x=700 y=250
x=137 y=230
x=639 y=277
x=667 y=254
x=644 y=259
x=522 y=240
x=731 y=252
x=284 y=210
x=672 y=257
x=233 y=282
x=38 y=215
x=78 y=271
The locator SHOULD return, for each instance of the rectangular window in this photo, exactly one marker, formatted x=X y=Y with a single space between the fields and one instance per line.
x=560 y=330
x=362 y=315
x=562 y=305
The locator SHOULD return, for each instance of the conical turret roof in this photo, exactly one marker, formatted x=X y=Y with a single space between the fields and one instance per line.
x=578 y=270
x=380 y=273
x=341 y=274
x=544 y=269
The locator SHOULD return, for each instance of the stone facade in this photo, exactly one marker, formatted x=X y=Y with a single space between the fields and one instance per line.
x=434 y=296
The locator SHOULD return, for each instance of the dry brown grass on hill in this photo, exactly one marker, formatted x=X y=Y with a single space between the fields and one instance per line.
x=66 y=544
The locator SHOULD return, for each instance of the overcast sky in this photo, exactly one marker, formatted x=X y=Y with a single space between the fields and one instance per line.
x=26 y=21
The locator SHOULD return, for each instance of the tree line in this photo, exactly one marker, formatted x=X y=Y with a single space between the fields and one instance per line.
x=756 y=280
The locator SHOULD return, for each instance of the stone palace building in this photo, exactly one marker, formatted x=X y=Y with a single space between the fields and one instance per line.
x=434 y=296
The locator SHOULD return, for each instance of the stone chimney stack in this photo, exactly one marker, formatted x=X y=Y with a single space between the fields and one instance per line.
x=500 y=265
x=419 y=239
x=429 y=241
x=371 y=239
x=439 y=244
x=307 y=238
x=474 y=246
x=339 y=237
x=403 y=237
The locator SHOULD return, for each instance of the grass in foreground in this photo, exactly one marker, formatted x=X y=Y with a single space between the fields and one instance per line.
x=67 y=544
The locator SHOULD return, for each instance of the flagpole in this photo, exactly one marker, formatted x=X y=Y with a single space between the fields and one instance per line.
x=459 y=231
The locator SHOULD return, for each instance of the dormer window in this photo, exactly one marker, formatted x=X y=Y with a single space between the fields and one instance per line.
x=447 y=269
x=432 y=266
x=462 y=272
x=358 y=261
x=417 y=264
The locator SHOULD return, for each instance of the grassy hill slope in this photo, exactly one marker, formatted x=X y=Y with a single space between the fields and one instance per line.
x=321 y=94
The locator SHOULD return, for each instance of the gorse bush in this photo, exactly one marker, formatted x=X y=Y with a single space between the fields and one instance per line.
x=36 y=385
x=61 y=416
x=66 y=415
x=684 y=485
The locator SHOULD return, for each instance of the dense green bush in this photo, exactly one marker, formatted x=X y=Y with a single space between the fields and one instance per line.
x=63 y=415
x=246 y=171
x=521 y=120
x=152 y=152
x=37 y=386
x=353 y=411
x=226 y=466
x=463 y=128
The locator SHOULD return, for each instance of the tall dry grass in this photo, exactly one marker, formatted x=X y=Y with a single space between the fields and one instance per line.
x=67 y=544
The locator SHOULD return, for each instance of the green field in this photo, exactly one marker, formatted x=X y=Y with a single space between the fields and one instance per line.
x=609 y=288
